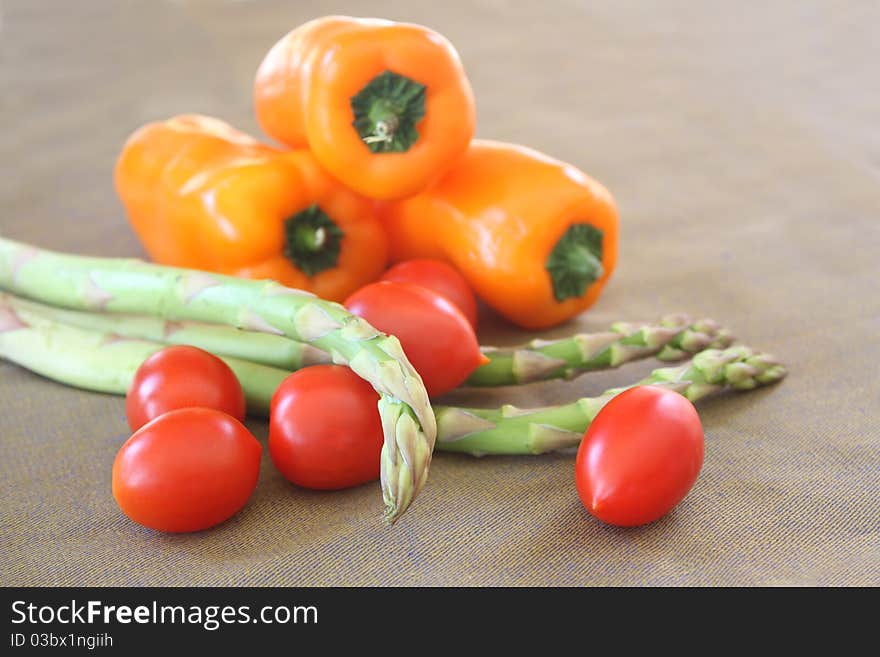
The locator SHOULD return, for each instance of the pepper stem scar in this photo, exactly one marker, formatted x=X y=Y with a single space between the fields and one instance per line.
x=384 y=131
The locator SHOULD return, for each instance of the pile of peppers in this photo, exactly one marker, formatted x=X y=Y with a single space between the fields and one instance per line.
x=377 y=163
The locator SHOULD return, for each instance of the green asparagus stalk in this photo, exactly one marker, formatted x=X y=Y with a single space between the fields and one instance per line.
x=672 y=338
x=107 y=363
x=263 y=348
x=510 y=430
x=132 y=286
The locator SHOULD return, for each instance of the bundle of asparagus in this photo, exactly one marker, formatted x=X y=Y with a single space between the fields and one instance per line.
x=91 y=322
x=106 y=362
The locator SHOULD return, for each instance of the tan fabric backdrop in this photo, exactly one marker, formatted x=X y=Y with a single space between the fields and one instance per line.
x=743 y=147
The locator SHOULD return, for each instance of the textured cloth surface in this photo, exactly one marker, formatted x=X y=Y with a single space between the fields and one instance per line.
x=743 y=148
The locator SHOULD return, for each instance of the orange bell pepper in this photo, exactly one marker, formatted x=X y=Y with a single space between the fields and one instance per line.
x=201 y=194
x=385 y=107
x=536 y=238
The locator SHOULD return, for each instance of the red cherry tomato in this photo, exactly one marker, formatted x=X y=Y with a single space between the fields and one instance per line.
x=441 y=277
x=436 y=337
x=182 y=377
x=640 y=456
x=187 y=470
x=324 y=428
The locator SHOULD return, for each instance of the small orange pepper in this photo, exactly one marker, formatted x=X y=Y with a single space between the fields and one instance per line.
x=535 y=237
x=201 y=194
x=385 y=107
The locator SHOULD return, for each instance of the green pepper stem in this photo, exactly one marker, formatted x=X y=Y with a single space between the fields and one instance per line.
x=387 y=111
x=575 y=261
x=313 y=240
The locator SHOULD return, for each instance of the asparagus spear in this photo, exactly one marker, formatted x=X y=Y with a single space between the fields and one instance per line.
x=671 y=338
x=107 y=363
x=262 y=348
x=511 y=430
x=132 y=286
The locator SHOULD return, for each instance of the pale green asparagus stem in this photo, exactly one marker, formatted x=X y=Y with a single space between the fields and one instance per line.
x=105 y=362
x=263 y=348
x=672 y=338
x=510 y=430
x=132 y=286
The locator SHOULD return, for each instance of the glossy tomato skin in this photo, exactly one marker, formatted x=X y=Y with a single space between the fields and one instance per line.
x=434 y=334
x=441 y=277
x=324 y=428
x=187 y=470
x=640 y=456
x=182 y=377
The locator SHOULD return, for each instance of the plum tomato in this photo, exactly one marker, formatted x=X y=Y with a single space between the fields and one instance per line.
x=434 y=334
x=640 y=456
